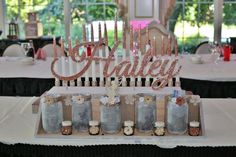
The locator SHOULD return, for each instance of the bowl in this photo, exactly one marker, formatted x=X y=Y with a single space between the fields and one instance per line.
x=27 y=61
x=196 y=59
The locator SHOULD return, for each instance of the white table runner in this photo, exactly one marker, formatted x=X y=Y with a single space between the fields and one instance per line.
x=17 y=125
x=223 y=71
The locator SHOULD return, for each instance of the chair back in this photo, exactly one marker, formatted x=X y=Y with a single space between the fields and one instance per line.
x=49 y=50
x=203 y=48
x=14 y=50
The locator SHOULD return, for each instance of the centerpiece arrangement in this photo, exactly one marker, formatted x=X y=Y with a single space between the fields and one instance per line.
x=113 y=110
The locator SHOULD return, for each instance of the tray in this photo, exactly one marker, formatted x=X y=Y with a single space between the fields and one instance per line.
x=128 y=113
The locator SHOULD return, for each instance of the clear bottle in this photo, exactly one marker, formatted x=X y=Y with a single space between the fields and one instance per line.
x=110 y=116
x=145 y=112
x=81 y=112
x=31 y=51
x=52 y=113
x=177 y=113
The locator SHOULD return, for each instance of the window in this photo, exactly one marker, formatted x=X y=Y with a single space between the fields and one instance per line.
x=49 y=14
x=192 y=23
x=93 y=11
x=229 y=20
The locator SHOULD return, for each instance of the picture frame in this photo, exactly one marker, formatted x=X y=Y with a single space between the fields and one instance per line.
x=144 y=9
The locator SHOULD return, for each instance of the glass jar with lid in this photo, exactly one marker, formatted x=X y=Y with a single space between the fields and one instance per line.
x=145 y=112
x=177 y=113
x=110 y=113
x=81 y=112
x=52 y=113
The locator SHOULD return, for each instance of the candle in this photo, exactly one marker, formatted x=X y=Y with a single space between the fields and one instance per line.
x=71 y=68
x=77 y=45
x=131 y=39
x=105 y=34
x=176 y=48
x=107 y=54
x=115 y=30
x=92 y=36
x=139 y=66
x=69 y=46
x=62 y=47
x=84 y=33
x=99 y=31
x=162 y=46
x=85 y=62
x=116 y=63
x=93 y=71
x=71 y=71
x=139 y=37
x=147 y=35
x=78 y=68
x=124 y=36
x=54 y=48
x=124 y=42
x=101 y=66
x=154 y=46
x=63 y=64
x=169 y=45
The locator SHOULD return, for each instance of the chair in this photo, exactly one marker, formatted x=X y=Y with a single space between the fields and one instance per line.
x=203 y=48
x=14 y=50
x=49 y=50
x=158 y=31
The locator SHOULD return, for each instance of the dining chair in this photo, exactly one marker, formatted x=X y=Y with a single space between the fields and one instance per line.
x=203 y=48
x=49 y=50
x=14 y=50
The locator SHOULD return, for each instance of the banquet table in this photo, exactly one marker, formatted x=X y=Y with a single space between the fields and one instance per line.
x=209 y=80
x=18 y=126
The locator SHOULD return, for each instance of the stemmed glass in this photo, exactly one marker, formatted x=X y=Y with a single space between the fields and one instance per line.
x=216 y=52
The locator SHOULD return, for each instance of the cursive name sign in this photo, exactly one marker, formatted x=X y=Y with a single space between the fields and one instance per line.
x=160 y=69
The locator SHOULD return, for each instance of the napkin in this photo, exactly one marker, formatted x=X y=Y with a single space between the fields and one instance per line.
x=41 y=54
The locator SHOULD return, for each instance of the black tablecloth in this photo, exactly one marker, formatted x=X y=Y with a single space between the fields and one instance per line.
x=210 y=89
x=36 y=87
x=24 y=150
x=24 y=86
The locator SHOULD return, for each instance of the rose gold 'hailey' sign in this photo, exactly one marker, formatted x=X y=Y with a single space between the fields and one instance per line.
x=158 y=68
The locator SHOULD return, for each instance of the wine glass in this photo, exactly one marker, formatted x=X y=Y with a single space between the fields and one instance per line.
x=216 y=52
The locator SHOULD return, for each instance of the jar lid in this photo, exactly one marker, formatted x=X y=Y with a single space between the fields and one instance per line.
x=129 y=123
x=66 y=123
x=194 y=124
x=159 y=124
x=93 y=123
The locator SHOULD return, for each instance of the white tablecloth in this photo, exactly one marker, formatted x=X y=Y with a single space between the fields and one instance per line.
x=17 y=125
x=11 y=67
x=208 y=70
x=223 y=71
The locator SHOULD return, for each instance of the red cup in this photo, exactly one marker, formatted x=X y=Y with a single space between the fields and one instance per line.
x=88 y=51
x=227 y=52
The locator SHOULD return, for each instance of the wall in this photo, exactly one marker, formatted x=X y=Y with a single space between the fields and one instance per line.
x=153 y=4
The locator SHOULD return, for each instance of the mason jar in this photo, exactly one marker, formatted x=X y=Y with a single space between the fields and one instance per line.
x=177 y=115
x=110 y=115
x=81 y=112
x=145 y=112
x=52 y=113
